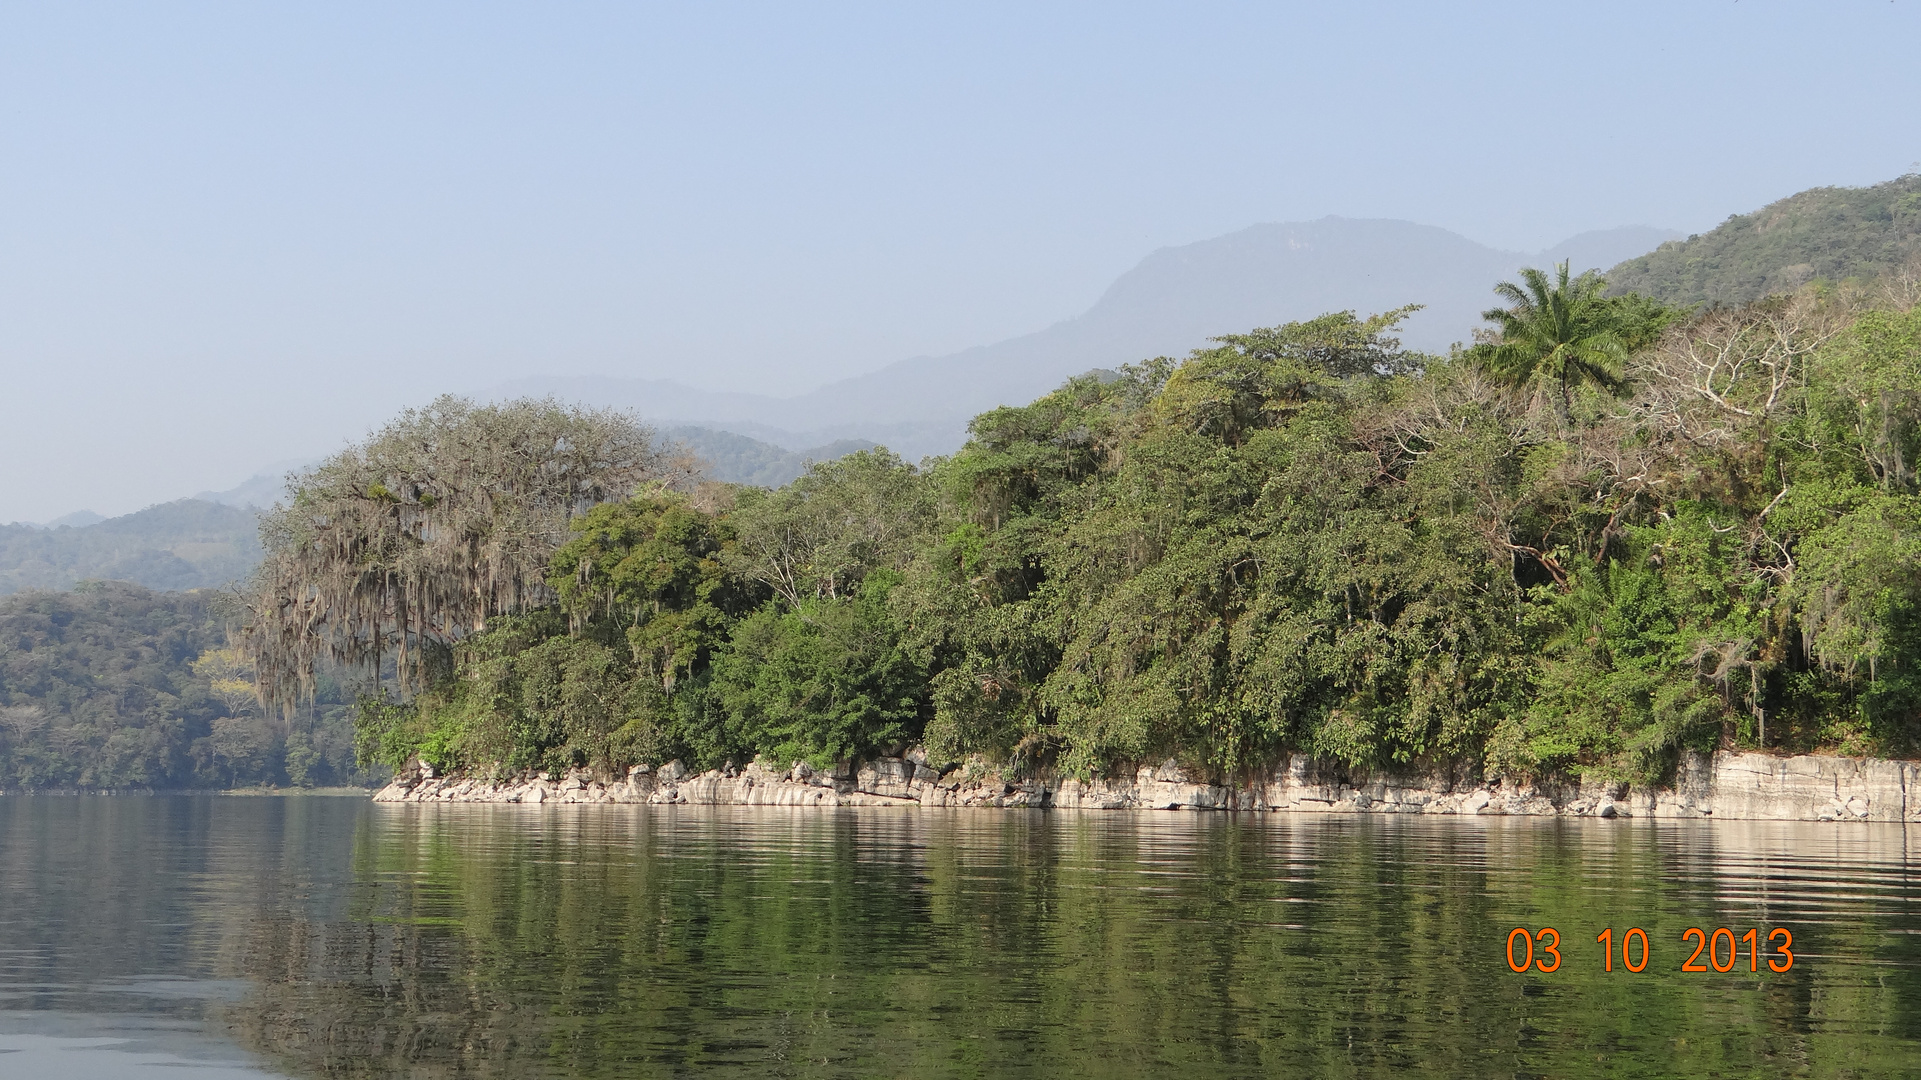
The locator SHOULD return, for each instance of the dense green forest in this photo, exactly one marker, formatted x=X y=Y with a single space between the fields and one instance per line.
x=1831 y=234
x=1610 y=531
x=112 y=685
x=188 y=544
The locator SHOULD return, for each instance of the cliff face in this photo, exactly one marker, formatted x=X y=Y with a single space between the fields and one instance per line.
x=1725 y=785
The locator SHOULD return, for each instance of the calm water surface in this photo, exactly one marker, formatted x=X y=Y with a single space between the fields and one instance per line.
x=243 y=937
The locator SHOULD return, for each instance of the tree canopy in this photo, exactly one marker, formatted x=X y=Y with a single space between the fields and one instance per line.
x=112 y=685
x=1609 y=532
x=440 y=521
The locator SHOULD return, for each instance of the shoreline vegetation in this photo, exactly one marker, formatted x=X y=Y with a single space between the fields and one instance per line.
x=1635 y=520
x=1608 y=537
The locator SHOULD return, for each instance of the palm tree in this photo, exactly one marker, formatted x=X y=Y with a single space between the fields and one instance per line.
x=1561 y=331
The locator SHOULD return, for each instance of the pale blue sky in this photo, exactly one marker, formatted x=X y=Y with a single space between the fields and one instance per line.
x=235 y=233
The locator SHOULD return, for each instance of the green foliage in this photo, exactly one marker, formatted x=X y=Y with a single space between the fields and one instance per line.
x=1337 y=344
x=1643 y=654
x=1562 y=333
x=1858 y=588
x=654 y=568
x=1823 y=234
x=970 y=603
x=666 y=654
x=1299 y=539
x=1255 y=380
x=819 y=536
x=112 y=685
x=824 y=681
x=1228 y=602
x=442 y=520
x=1753 y=584
x=523 y=696
x=388 y=733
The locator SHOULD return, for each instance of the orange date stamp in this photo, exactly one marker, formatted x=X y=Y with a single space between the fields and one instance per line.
x=1540 y=950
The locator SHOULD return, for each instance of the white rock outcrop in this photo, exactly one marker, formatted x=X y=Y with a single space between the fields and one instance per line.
x=1725 y=785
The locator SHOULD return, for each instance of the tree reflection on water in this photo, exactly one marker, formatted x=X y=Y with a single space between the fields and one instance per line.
x=510 y=941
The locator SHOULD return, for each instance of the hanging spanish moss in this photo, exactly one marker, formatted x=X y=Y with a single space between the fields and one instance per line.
x=438 y=522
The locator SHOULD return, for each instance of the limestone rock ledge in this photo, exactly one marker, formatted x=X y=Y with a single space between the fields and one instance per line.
x=1724 y=785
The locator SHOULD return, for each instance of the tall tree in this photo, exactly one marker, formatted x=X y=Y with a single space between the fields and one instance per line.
x=819 y=536
x=443 y=519
x=1559 y=331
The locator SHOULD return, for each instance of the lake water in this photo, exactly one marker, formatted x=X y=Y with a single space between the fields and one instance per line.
x=187 y=937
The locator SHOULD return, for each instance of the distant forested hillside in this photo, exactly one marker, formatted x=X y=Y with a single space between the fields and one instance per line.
x=189 y=544
x=737 y=459
x=112 y=685
x=1832 y=233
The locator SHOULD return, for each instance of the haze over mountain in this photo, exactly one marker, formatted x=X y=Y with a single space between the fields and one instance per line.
x=1173 y=301
x=187 y=544
x=738 y=459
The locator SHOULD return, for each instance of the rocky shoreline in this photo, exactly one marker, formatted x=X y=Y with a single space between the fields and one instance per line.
x=1740 y=786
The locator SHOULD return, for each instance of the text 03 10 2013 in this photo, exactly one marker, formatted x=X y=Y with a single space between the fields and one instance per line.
x=1702 y=951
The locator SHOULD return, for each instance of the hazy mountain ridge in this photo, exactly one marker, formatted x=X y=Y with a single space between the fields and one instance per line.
x=1172 y=301
x=1831 y=233
x=79 y=519
x=187 y=544
x=738 y=459
x=257 y=492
